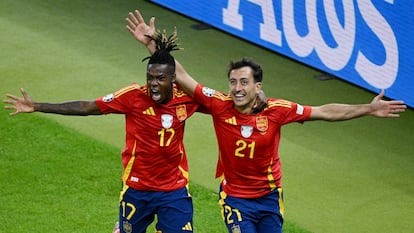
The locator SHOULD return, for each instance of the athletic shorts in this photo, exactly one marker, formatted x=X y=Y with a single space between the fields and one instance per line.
x=174 y=211
x=253 y=215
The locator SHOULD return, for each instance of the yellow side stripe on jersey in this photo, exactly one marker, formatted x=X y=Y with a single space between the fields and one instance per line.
x=127 y=171
x=222 y=96
x=179 y=93
x=270 y=177
x=126 y=89
x=279 y=104
x=281 y=204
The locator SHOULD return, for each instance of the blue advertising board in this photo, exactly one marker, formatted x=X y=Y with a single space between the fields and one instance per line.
x=365 y=42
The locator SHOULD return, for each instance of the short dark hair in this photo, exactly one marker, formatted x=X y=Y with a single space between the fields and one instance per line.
x=164 y=45
x=257 y=69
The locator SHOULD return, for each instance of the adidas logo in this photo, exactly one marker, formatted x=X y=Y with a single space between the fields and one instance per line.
x=149 y=111
x=231 y=120
x=187 y=227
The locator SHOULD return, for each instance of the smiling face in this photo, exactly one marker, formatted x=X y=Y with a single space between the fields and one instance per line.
x=160 y=78
x=243 y=88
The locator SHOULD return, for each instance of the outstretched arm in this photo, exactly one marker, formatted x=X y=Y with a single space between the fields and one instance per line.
x=140 y=31
x=340 y=112
x=27 y=105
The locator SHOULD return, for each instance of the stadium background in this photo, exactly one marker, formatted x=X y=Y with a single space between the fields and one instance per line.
x=354 y=176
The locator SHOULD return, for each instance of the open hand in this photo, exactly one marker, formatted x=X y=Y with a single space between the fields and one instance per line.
x=20 y=105
x=139 y=29
x=384 y=108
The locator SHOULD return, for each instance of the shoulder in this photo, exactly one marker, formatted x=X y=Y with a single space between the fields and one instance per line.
x=273 y=103
x=214 y=94
x=128 y=89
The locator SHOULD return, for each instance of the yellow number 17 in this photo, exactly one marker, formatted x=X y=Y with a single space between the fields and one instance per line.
x=164 y=141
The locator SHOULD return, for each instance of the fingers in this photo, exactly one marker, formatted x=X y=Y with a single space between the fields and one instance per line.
x=13 y=97
x=24 y=93
x=139 y=19
x=130 y=23
x=13 y=107
x=152 y=22
x=382 y=93
x=379 y=96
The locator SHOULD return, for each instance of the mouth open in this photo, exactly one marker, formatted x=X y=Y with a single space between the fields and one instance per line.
x=155 y=95
x=239 y=96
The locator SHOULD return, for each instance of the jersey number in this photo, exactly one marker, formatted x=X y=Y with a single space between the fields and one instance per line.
x=130 y=207
x=241 y=151
x=166 y=136
x=229 y=212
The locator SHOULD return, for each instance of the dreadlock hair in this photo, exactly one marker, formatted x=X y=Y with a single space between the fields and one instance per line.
x=164 y=45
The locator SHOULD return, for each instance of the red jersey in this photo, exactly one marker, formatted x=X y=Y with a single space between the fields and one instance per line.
x=154 y=157
x=248 y=144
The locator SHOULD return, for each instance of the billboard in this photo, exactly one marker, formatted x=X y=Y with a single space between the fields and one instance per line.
x=365 y=42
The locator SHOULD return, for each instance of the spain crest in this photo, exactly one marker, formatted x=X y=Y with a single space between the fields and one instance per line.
x=261 y=123
x=181 y=112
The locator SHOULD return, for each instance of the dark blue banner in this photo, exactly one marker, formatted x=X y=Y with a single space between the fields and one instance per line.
x=366 y=42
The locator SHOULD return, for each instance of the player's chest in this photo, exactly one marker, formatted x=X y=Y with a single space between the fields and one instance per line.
x=247 y=127
x=156 y=116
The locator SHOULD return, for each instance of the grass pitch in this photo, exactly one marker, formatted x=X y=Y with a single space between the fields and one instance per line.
x=61 y=174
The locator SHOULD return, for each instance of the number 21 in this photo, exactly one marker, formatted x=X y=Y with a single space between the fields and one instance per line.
x=241 y=146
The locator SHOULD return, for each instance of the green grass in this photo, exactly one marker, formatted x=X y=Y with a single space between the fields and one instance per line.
x=354 y=176
x=57 y=180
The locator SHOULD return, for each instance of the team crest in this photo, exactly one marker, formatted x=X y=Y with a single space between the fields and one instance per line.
x=235 y=229
x=261 y=123
x=166 y=121
x=127 y=227
x=246 y=131
x=181 y=112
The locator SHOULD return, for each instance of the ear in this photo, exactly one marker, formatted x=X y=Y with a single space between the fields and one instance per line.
x=258 y=87
x=173 y=78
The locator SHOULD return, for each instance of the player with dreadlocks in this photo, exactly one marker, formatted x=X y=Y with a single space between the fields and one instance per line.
x=155 y=170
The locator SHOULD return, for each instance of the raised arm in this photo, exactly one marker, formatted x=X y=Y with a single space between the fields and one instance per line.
x=27 y=105
x=340 y=112
x=141 y=31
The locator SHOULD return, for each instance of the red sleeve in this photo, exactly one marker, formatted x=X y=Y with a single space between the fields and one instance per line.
x=120 y=101
x=285 y=111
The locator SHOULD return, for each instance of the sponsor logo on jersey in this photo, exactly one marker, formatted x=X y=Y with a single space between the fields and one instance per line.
x=149 y=111
x=208 y=91
x=187 y=227
x=261 y=123
x=166 y=120
x=108 y=98
x=181 y=112
x=246 y=131
x=231 y=120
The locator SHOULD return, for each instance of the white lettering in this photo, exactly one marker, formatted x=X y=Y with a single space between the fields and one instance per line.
x=231 y=15
x=268 y=29
x=336 y=54
x=379 y=76
x=334 y=58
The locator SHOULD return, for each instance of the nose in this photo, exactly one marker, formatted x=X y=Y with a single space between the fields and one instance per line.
x=238 y=86
x=153 y=82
